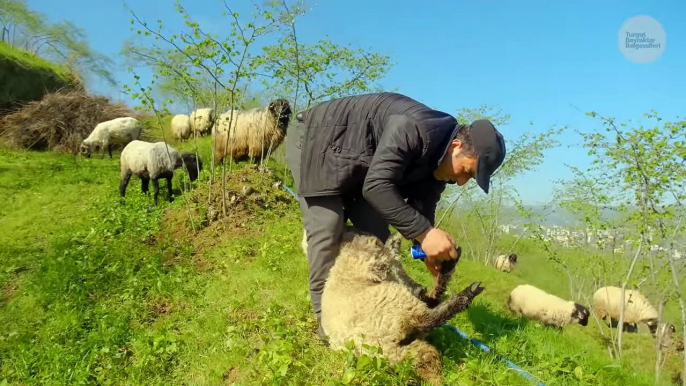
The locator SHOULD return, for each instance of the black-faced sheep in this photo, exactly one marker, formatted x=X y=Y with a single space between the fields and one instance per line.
x=152 y=161
x=369 y=299
x=118 y=131
x=201 y=120
x=506 y=263
x=253 y=133
x=181 y=126
x=606 y=302
x=550 y=310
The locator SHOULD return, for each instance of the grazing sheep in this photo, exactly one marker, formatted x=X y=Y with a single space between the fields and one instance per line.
x=181 y=126
x=152 y=161
x=506 y=263
x=665 y=335
x=201 y=120
x=254 y=132
x=368 y=298
x=549 y=309
x=606 y=301
x=117 y=131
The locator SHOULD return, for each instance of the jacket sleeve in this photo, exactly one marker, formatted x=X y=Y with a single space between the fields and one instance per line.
x=427 y=200
x=398 y=145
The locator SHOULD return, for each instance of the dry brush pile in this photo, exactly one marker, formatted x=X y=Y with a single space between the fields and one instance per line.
x=59 y=121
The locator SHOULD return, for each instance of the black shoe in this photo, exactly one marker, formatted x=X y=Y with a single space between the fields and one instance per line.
x=322 y=335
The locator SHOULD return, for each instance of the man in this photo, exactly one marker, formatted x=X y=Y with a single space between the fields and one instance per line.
x=382 y=159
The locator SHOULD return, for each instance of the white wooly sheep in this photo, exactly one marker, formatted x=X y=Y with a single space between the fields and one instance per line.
x=201 y=120
x=181 y=126
x=506 y=263
x=607 y=302
x=368 y=298
x=253 y=133
x=551 y=310
x=117 y=131
x=303 y=243
x=152 y=161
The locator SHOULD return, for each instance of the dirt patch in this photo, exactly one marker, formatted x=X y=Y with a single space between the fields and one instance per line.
x=231 y=376
x=253 y=197
x=9 y=290
x=59 y=121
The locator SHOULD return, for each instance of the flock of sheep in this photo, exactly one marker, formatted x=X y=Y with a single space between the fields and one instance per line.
x=369 y=298
x=252 y=132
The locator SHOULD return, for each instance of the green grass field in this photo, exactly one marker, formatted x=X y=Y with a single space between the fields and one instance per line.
x=94 y=291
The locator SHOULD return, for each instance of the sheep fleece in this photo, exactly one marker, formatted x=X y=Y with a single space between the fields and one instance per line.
x=148 y=160
x=539 y=305
x=115 y=131
x=181 y=126
x=253 y=133
x=503 y=263
x=638 y=309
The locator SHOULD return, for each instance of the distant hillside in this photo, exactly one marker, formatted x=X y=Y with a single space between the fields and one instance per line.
x=25 y=77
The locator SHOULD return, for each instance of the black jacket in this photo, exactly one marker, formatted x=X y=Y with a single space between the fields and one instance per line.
x=384 y=146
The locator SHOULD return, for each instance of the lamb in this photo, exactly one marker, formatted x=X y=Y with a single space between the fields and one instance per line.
x=254 y=132
x=181 y=126
x=201 y=120
x=368 y=298
x=606 y=301
x=506 y=263
x=117 y=131
x=152 y=161
x=549 y=309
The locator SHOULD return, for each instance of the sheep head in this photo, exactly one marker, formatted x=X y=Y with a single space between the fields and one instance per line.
x=652 y=326
x=512 y=258
x=281 y=111
x=581 y=314
x=192 y=164
x=85 y=149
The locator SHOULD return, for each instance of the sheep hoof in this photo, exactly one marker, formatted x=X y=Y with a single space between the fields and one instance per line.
x=476 y=288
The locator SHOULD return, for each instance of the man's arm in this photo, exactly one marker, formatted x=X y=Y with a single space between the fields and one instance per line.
x=398 y=145
x=425 y=202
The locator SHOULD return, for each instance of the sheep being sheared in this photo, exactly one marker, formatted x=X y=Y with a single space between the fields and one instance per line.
x=117 y=131
x=254 y=133
x=152 y=161
x=201 y=120
x=606 y=302
x=181 y=126
x=369 y=298
x=549 y=309
x=506 y=263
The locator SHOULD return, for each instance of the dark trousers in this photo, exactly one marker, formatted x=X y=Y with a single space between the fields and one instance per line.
x=324 y=218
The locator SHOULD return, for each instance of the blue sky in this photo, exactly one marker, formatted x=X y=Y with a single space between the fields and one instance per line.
x=532 y=59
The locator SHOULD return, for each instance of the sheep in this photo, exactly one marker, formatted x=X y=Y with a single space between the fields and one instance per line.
x=201 y=120
x=303 y=243
x=549 y=309
x=117 y=131
x=181 y=126
x=369 y=299
x=152 y=161
x=254 y=132
x=606 y=301
x=506 y=263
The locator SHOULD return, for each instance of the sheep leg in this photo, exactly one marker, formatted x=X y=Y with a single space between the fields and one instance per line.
x=109 y=150
x=435 y=317
x=124 y=183
x=144 y=185
x=156 y=189
x=169 y=187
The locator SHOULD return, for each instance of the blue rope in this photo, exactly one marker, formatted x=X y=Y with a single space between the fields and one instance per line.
x=461 y=333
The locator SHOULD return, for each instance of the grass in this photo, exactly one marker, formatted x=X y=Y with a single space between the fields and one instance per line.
x=99 y=292
x=26 y=77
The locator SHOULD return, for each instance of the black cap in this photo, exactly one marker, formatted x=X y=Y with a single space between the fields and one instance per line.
x=489 y=147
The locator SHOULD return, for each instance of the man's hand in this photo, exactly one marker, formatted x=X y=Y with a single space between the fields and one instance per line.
x=438 y=246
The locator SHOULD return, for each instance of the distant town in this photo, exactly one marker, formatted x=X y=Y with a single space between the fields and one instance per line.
x=570 y=237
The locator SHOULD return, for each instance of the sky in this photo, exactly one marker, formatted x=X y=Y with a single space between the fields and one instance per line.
x=546 y=62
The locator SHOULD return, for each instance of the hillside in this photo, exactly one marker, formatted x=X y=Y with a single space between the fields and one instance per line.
x=102 y=292
x=25 y=77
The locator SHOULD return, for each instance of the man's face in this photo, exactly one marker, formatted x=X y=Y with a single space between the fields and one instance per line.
x=456 y=166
